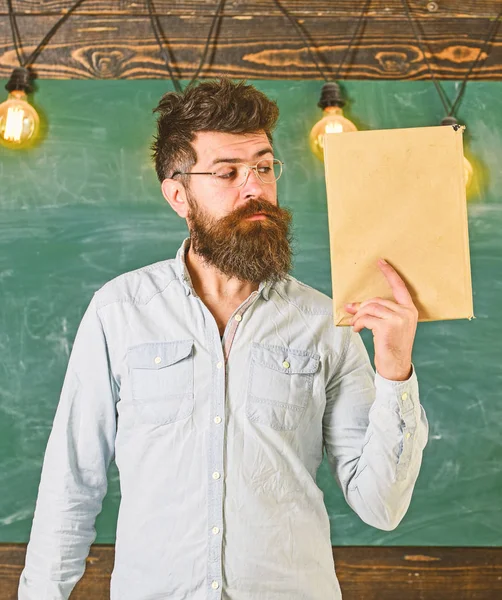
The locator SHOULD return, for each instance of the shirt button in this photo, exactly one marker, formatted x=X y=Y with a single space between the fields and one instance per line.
x=219 y=365
x=404 y=396
x=157 y=360
x=215 y=585
x=216 y=530
x=216 y=475
x=408 y=435
x=238 y=318
x=285 y=364
x=217 y=419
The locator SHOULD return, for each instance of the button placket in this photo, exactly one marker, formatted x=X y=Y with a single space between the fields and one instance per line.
x=216 y=453
x=216 y=475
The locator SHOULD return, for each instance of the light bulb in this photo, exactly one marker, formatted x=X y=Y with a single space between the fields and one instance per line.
x=19 y=121
x=333 y=121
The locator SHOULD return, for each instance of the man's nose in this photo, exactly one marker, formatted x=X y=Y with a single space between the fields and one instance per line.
x=253 y=185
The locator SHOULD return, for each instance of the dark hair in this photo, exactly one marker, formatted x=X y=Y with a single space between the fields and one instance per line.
x=218 y=105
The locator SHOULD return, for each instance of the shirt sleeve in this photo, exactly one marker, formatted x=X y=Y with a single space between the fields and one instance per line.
x=374 y=432
x=74 y=472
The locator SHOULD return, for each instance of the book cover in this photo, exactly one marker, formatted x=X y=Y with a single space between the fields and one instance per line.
x=399 y=194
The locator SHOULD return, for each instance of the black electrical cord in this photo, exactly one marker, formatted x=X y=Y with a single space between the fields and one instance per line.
x=300 y=31
x=440 y=91
x=156 y=26
x=156 y=29
x=489 y=38
x=444 y=99
x=214 y=22
x=17 y=38
x=354 y=35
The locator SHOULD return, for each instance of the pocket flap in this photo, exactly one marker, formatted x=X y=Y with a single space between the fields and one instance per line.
x=285 y=360
x=157 y=355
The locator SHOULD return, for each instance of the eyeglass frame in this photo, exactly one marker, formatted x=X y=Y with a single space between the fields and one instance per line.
x=250 y=168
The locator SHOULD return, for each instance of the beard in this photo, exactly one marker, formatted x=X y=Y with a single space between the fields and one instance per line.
x=248 y=250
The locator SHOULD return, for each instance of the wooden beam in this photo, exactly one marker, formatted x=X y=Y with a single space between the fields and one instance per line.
x=365 y=573
x=318 y=8
x=114 y=40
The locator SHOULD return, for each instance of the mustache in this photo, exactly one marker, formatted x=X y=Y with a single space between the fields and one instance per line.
x=253 y=207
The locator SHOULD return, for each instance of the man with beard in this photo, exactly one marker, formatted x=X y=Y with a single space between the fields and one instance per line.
x=217 y=381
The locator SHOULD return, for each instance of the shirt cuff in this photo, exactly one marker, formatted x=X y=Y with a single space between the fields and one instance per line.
x=402 y=393
x=401 y=397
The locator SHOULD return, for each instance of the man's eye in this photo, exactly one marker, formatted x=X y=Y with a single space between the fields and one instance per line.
x=226 y=173
x=264 y=169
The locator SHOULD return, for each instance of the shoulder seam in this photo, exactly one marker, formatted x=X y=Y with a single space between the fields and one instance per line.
x=131 y=300
x=304 y=309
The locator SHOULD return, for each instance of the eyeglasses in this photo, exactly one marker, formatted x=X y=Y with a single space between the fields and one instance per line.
x=233 y=175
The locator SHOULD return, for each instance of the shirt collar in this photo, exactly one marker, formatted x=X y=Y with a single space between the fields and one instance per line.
x=184 y=275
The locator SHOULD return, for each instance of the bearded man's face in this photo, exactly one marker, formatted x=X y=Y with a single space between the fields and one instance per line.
x=220 y=201
x=249 y=249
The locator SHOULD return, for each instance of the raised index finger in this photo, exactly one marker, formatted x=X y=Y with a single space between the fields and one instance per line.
x=398 y=287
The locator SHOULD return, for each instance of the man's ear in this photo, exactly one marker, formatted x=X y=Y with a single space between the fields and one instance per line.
x=175 y=193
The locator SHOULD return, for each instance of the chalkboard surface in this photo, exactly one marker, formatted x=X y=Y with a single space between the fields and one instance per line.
x=85 y=206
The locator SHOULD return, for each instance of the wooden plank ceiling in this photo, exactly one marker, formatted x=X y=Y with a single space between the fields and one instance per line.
x=109 y=39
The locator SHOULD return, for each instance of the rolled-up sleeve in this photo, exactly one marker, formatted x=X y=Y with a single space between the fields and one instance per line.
x=74 y=473
x=374 y=433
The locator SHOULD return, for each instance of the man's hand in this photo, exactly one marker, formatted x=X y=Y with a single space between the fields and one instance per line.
x=393 y=324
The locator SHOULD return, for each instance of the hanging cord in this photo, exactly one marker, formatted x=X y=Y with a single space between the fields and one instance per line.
x=305 y=40
x=489 y=39
x=156 y=28
x=353 y=38
x=302 y=35
x=156 y=25
x=444 y=99
x=17 y=38
x=440 y=91
x=214 y=22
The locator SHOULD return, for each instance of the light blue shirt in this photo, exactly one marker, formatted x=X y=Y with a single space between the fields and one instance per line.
x=217 y=442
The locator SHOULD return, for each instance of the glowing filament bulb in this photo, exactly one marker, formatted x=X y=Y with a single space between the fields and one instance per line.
x=19 y=121
x=332 y=121
x=14 y=124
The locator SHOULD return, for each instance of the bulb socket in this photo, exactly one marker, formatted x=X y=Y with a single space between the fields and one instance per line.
x=20 y=80
x=331 y=95
x=450 y=120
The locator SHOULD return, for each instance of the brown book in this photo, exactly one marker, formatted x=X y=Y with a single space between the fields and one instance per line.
x=399 y=194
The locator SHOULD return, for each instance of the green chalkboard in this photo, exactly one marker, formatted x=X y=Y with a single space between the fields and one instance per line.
x=85 y=206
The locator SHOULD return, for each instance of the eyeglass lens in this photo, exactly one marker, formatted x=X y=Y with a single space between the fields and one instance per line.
x=234 y=175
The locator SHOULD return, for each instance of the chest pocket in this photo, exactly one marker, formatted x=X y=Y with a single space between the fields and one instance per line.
x=280 y=385
x=162 y=385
